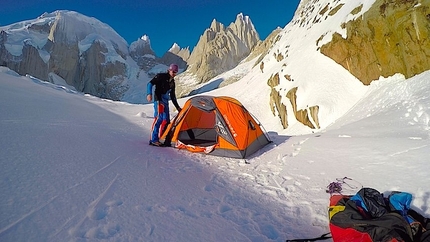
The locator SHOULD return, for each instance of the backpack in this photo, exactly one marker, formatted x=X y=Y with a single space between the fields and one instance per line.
x=368 y=216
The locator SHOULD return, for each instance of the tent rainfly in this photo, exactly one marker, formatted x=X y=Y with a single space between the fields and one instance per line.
x=218 y=126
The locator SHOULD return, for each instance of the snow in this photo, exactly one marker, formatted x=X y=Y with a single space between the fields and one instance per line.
x=141 y=43
x=79 y=168
x=23 y=33
x=74 y=26
x=175 y=48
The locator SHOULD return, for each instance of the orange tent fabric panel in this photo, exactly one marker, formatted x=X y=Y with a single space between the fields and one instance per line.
x=216 y=123
x=197 y=118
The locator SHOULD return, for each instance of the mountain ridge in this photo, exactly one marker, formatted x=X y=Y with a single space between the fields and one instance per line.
x=68 y=44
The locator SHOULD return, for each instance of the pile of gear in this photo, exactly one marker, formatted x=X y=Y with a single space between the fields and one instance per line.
x=370 y=216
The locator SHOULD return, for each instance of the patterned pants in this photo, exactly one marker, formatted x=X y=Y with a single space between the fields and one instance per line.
x=161 y=120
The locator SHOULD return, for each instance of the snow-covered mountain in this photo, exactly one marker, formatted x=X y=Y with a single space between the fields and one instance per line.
x=85 y=52
x=88 y=54
x=344 y=45
x=93 y=58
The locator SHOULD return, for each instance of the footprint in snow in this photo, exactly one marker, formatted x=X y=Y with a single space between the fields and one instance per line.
x=297 y=147
x=261 y=179
x=101 y=211
x=102 y=232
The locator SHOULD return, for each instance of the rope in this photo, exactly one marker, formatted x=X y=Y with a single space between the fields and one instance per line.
x=336 y=187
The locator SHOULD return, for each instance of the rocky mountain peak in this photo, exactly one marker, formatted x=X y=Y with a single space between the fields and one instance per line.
x=245 y=30
x=184 y=53
x=216 y=26
x=141 y=47
x=220 y=49
x=176 y=55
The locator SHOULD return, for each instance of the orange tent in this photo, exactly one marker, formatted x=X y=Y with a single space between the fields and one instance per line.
x=218 y=126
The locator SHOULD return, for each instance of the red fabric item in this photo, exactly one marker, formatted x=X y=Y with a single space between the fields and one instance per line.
x=348 y=235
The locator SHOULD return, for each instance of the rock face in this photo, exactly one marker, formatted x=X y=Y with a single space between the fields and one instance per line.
x=302 y=115
x=276 y=104
x=262 y=48
x=29 y=61
x=141 y=52
x=176 y=55
x=141 y=47
x=86 y=53
x=377 y=39
x=221 y=48
x=308 y=117
x=391 y=37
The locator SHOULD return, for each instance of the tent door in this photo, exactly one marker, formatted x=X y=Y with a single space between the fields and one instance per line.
x=198 y=137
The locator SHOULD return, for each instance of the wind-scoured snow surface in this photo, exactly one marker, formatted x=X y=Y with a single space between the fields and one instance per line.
x=78 y=168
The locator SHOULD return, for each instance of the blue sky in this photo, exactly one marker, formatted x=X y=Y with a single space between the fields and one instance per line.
x=164 y=21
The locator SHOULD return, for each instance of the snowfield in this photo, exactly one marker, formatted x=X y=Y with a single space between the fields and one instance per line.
x=78 y=168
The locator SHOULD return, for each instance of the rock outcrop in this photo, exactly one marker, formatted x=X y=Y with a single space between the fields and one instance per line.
x=141 y=52
x=377 y=39
x=393 y=36
x=308 y=116
x=262 y=47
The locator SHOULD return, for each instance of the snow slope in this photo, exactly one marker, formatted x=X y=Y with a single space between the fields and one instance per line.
x=78 y=168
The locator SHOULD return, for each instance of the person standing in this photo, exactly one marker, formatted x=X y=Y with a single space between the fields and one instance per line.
x=164 y=90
